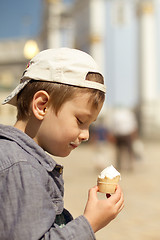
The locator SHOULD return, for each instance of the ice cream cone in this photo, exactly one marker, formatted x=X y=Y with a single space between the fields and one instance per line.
x=108 y=180
x=107 y=185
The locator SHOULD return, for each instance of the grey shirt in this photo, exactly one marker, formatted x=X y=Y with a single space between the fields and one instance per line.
x=31 y=193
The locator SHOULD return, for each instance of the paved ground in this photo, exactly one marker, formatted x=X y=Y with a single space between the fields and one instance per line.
x=140 y=219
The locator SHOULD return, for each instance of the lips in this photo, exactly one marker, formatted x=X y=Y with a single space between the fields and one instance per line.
x=74 y=145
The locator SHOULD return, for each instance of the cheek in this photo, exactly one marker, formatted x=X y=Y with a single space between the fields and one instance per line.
x=68 y=133
x=67 y=128
x=60 y=130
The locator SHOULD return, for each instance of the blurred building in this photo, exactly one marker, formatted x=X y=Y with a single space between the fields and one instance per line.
x=56 y=31
x=89 y=28
x=12 y=62
x=149 y=91
x=58 y=25
x=121 y=35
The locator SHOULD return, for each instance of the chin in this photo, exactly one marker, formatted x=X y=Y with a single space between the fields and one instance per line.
x=64 y=154
x=61 y=154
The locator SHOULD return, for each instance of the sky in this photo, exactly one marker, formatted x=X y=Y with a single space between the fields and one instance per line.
x=20 y=18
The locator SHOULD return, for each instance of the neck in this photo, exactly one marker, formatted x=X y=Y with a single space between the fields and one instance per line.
x=21 y=125
x=30 y=127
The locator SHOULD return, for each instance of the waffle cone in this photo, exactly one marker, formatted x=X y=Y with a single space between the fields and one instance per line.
x=107 y=185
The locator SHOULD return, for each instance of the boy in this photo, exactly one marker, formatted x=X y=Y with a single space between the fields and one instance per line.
x=61 y=93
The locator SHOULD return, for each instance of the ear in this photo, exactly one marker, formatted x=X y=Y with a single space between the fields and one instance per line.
x=39 y=104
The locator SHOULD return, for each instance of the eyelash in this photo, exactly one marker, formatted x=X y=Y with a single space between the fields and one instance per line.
x=79 y=121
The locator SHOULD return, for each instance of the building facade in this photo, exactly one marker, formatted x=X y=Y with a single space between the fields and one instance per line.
x=121 y=35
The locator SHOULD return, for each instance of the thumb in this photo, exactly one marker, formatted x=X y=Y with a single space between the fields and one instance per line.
x=92 y=194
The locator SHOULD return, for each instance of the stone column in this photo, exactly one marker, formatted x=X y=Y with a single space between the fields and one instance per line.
x=53 y=18
x=148 y=61
x=147 y=68
x=97 y=31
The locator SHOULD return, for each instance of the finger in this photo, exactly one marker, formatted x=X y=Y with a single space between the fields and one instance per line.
x=117 y=195
x=96 y=188
x=92 y=194
x=118 y=188
x=120 y=203
x=120 y=209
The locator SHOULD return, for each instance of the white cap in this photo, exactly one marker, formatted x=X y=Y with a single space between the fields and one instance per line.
x=61 y=65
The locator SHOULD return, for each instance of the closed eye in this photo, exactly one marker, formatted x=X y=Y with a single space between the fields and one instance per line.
x=79 y=121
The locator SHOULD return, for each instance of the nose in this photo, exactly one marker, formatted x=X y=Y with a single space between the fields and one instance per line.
x=84 y=135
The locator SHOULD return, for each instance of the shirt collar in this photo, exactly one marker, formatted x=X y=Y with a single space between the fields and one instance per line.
x=30 y=146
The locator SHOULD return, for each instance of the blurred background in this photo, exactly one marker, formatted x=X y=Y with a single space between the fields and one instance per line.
x=122 y=36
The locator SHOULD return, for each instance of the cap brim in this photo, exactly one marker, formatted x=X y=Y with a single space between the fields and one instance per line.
x=12 y=98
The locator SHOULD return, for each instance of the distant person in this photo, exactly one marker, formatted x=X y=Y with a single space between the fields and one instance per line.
x=124 y=129
x=99 y=141
x=61 y=93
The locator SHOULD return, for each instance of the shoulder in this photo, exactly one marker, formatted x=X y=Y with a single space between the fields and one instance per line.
x=13 y=158
x=16 y=161
x=10 y=153
x=17 y=168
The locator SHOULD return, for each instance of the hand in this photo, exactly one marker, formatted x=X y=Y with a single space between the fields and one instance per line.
x=100 y=212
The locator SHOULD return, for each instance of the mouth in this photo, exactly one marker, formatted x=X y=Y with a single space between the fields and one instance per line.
x=74 y=145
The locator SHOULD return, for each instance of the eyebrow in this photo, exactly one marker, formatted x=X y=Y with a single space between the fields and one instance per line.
x=88 y=115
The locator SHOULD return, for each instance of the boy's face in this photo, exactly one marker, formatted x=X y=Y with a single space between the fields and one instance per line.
x=60 y=133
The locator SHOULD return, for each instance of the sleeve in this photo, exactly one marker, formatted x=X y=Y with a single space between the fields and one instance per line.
x=27 y=211
x=77 y=229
